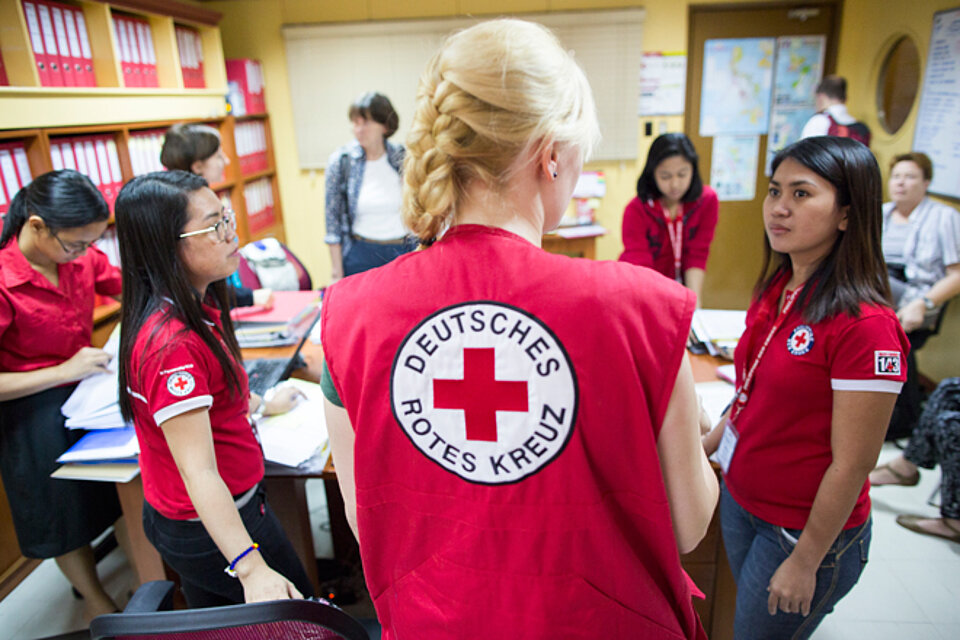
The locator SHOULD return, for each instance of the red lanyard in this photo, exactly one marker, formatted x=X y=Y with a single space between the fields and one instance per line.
x=675 y=230
x=743 y=391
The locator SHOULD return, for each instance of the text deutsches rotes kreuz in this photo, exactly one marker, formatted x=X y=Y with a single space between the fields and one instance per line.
x=486 y=390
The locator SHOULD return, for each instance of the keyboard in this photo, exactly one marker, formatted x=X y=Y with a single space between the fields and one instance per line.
x=264 y=373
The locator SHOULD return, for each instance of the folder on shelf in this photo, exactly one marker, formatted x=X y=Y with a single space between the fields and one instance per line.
x=136 y=64
x=52 y=56
x=75 y=59
x=147 y=54
x=123 y=50
x=80 y=155
x=4 y=203
x=86 y=52
x=36 y=40
x=63 y=45
x=66 y=152
x=111 y=187
x=8 y=172
x=56 y=157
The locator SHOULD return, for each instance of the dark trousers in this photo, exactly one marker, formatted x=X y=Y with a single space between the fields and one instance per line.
x=189 y=550
x=363 y=256
x=906 y=412
x=936 y=440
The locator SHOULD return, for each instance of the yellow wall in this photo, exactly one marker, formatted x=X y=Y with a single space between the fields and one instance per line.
x=251 y=28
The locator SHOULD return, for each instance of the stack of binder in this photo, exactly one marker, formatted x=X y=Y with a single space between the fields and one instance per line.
x=259 y=197
x=245 y=86
x=145 y=149
x=61 y=45
x=14 y=172
x=94 y=156
x=138 y=58
x=279 y=325
x=191 y=57
x=251 y=142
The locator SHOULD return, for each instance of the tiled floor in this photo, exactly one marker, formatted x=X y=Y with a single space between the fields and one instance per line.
x=909 y=590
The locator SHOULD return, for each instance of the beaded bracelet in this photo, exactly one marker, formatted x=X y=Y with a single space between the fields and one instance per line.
x=231 y=570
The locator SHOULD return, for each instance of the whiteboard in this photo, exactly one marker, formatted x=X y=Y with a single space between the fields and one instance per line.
x=330 y=65
x=938 y=118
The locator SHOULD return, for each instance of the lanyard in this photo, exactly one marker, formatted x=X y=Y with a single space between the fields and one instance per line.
x=743 y=392
x=675 y=230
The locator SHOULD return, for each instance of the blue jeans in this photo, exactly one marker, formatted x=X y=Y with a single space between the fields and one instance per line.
x=189 y=550
x=362 y=256
x=756 y=549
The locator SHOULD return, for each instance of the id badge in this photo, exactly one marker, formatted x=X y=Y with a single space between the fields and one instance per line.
x=728 y=444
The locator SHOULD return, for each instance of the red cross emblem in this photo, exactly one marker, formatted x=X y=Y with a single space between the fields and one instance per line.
x=801 y=340
x=480 y=395
x=180 y=383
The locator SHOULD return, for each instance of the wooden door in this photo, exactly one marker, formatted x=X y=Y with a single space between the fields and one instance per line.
x=737 y=249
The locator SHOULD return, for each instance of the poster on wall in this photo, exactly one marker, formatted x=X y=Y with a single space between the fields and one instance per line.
x=938 y=117
x=733 y=167
x=797 y=72
x=663 y=82
x=736 y=87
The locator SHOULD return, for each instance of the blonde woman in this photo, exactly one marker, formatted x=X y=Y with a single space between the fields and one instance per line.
x=515 y=432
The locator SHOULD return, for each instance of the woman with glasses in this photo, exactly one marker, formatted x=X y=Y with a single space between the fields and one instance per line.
x=196 y=148
x=188 y=397
x=49 y=273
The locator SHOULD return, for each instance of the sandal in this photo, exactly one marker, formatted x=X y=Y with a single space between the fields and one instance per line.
x=912 y=523
x=902 y=480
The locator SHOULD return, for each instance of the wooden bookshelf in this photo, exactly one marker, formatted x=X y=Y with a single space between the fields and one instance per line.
x=33 y=114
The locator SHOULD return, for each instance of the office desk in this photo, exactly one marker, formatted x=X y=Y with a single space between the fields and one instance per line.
x=286 y=490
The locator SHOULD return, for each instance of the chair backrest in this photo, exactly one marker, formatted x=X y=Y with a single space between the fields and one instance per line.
x=249 y=279
x=314 y=619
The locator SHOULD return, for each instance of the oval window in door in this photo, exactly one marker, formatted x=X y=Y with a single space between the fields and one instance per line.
x=897 y=84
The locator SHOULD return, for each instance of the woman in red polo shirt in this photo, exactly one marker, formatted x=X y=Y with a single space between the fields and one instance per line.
x=49 y=272
x=188 y=397
x=669 y=225
x=819 y=368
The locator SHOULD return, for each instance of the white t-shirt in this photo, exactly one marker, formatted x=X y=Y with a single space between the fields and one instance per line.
x=378 y=204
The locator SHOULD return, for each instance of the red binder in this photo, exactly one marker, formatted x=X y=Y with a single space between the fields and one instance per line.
x=63 y=44
x=246 y=75
x=148 y=54
x=73 y=41
x=126 y=57
x=50 y=44
x=86 y=53
x=56 y=157
x=66 y=152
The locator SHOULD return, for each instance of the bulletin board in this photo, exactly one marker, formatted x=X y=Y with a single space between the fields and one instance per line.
x=938 y=117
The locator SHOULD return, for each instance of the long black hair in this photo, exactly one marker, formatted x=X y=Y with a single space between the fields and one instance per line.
x=666 y=146
x=151 y=213
x=65 y=199
x=854 y=271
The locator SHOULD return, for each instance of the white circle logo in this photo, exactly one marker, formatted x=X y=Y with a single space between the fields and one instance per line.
x=800 y=341
x=180 y=383
x=486 y=391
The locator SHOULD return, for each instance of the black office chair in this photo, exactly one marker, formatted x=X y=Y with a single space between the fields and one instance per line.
x=148 y=617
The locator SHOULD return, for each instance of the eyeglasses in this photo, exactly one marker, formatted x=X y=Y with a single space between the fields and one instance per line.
x=221 y=227
x=72 y=247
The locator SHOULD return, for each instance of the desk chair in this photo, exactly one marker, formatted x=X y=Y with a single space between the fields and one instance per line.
x=143 y=619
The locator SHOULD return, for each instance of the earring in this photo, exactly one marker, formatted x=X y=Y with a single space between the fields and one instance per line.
x=554 y=174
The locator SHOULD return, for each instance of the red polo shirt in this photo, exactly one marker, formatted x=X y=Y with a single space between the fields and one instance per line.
x=176 y=372
x=42 y=325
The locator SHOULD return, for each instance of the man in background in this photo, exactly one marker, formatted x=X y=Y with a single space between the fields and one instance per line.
x=832 y=117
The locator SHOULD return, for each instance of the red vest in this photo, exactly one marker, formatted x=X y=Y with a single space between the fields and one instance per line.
x=506 y=403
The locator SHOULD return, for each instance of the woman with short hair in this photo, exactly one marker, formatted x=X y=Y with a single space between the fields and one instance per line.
x=363 y=185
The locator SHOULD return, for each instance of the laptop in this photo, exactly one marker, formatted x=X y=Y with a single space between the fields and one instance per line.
x=264 y=373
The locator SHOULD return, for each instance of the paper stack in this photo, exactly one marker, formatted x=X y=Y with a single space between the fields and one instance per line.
x=94 y=404
x=294 y=437
x=718 y=330
x=278 y=325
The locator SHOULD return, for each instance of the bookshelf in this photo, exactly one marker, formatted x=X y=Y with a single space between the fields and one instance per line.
x=37 y=116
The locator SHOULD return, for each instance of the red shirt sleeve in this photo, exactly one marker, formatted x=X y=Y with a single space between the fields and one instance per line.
x=636 y=249
x=870 y=355
x=106 y=277
x=701 y=227
x=176 y=379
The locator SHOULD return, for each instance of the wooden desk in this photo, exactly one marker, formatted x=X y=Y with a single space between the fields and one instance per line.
x=565 y=241
x=286 y=490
